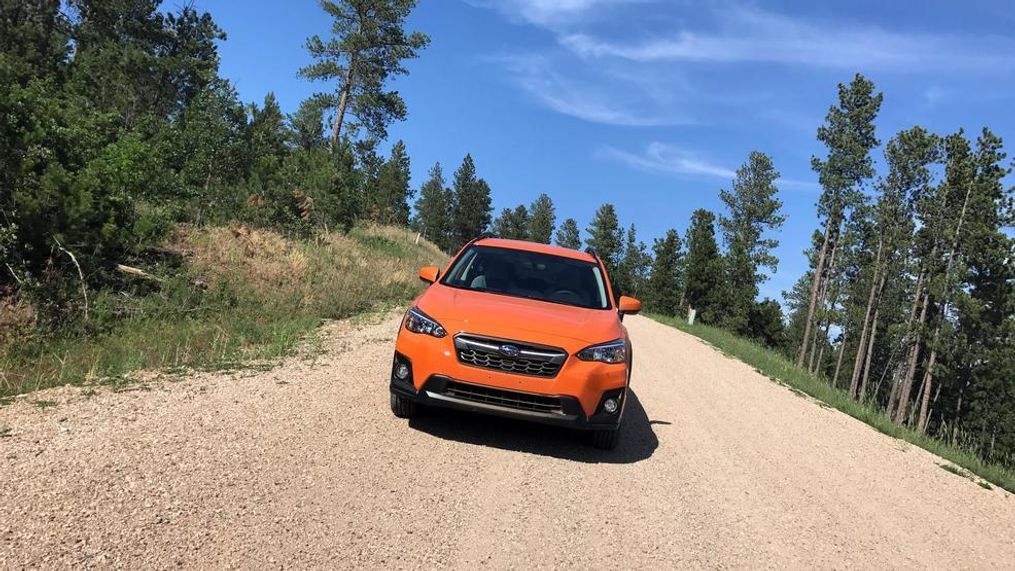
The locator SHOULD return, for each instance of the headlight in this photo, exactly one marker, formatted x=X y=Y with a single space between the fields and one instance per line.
x=612 y=352
x=419 y=322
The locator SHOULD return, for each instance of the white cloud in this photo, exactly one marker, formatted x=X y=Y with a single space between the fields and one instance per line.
x=794 y=184
x=933 y=95
x=666 y=158
x=623 y=65
x=670 y=159
x=751 y=35
x=586 y=100
x=549 y=12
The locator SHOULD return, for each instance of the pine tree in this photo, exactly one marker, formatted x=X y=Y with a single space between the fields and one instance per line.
x=307 y=125
x=368 y=46
x=606 y=237
x=753 y=211
x=664 y=289
x=849 y=134
x=978 y=402
x=136 y=62
x=634 y=265
x=942 y=214
x=703 y=278
x=471 y=211
x=389 y=195
x=354 y=168
x=205 y=144
x=265 y=138
x=512 y=224
x=541 y=219
x=568 y=235
x=35 y=38
x=796 y=300
x=909 y=156
x=976 y=201
x=765 y=324
x=433 y=210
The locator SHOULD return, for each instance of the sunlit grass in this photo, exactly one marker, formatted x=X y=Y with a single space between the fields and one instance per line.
x=264 y=294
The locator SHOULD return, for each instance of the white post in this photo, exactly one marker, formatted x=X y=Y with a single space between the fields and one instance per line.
x=691 y=313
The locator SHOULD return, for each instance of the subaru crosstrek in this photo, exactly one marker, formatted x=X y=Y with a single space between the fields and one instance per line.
x=518 y=329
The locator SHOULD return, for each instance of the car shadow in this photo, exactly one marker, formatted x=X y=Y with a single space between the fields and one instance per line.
x=637 y=439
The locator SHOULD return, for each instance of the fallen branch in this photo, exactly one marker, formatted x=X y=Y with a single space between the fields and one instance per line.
x=136 y=272
x=14 y=274
x=81 y=275
x=139 y=273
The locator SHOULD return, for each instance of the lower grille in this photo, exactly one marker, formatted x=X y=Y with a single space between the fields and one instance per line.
x=504 y=398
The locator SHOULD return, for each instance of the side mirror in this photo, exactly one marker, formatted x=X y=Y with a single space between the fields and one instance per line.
x=628 y=305
x=429 y=274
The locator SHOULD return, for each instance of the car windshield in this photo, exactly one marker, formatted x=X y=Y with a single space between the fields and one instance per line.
x=531 y=275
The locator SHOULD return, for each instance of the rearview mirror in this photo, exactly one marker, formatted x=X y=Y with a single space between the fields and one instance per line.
x=628 y=305
x=429 y=274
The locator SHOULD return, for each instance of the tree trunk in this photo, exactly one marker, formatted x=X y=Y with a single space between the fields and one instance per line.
x=343 y=102
x=920 y=300
x=910 y=370
x=814 y=347
x=933 y=403
x=816 y=365
x=861 y=346
x=838 y=360
x=822 y=296
x=928 y=379
x=336 y=132
x=819 y=271
x=870 y=351
x=958 y=412
x=914 y=410
x=928 y=375
x=893 y=397
x=901 y=374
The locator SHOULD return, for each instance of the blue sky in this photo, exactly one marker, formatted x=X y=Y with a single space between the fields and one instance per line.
x=652 y=104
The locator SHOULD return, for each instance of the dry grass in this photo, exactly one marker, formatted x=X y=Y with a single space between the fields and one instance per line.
x=17 y=321
x=264 y=293
x=329 y=276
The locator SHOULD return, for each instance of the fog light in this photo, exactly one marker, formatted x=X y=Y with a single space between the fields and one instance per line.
x=402 y=371
x=610 y=405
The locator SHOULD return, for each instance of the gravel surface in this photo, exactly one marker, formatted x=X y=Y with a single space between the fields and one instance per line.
x=304 y=466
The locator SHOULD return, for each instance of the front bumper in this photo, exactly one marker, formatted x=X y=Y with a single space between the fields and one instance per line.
x=557 y=410
x=585 y=381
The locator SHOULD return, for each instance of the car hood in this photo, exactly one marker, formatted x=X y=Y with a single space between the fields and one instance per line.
x=517 y=318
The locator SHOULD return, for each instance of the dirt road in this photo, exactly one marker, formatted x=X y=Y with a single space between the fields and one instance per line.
x=304 y=466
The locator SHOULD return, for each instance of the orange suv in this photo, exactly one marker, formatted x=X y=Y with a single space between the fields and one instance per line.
x=518 y=329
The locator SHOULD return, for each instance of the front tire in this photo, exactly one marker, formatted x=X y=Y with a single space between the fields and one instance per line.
x=403 y=407
x=605 y=439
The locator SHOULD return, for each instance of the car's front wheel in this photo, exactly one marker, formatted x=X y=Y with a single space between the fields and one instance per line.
x=403 y=407
x=605 y=439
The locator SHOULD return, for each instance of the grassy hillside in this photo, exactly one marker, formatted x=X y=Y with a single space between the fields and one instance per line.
x=240 y=294
x=782 y=370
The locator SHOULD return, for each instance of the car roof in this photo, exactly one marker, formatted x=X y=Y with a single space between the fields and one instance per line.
x=538 y=247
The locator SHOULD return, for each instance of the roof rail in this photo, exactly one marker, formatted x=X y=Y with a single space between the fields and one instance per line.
x=592 y=252
x=480 y=237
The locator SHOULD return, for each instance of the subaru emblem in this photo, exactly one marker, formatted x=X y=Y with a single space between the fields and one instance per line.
x=509 y=351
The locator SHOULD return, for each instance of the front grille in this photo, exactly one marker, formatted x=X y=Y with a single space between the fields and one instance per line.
x=503 y=398
x=522 y=359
